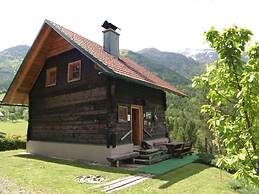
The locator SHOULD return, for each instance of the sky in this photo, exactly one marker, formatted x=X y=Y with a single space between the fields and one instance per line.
x=169 y=25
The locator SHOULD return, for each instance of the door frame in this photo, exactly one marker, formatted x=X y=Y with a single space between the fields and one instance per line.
x=141 y=121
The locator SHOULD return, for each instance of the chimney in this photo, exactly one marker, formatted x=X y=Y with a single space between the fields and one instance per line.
x=111 y=39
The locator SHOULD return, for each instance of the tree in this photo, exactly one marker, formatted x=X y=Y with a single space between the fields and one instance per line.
x=184 y=120
x=233 y=100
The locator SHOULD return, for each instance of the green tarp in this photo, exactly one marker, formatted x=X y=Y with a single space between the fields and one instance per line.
x=167 y=165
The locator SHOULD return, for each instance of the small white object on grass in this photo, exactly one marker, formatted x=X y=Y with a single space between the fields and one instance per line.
x=94 y=179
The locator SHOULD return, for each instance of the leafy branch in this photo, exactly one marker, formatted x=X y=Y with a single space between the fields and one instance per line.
x=233 y=86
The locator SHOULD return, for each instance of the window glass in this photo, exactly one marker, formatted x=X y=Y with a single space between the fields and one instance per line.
x=74 y=71
x=122 y=114
x=51 y=77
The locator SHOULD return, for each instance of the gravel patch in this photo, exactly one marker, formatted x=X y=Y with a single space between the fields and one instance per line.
x=8 y=187
x=94 y=179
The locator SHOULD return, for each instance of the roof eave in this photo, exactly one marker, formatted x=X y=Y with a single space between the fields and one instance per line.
x=19 y=70
x=104 y=67
x=146 y=84
x=95 y=60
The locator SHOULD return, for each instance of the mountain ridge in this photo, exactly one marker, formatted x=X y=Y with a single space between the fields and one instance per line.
x=185 y=66
x=175 y=68
x=158 y=69
x=204 y=56
x=10 y=60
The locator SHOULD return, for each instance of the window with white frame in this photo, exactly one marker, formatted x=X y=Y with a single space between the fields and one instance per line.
x=74 y=71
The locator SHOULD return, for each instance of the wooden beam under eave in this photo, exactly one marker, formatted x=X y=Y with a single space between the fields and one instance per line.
x=28 y=61
x=47 y=44
x=58 y=46
x=25 y=99
x=21 y=99
x=39 y=61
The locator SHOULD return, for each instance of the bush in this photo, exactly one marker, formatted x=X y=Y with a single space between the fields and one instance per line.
x=206 y=158
x=249 y=190
x=239 y=186
x=12 y=143
x=235 y=184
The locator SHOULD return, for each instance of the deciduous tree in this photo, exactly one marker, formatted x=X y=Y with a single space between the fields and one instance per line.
x=233 y=95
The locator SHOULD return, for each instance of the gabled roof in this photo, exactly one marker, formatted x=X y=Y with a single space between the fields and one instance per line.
x=121 y=67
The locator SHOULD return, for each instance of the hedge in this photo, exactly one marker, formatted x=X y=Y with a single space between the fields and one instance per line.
x=12 y=142
x=206 y=158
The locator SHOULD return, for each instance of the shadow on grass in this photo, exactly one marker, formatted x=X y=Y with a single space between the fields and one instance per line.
x=170 y=177
x=78 y=164
x=180 y=174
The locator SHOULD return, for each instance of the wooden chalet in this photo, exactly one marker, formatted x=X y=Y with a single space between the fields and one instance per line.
x=85 y=100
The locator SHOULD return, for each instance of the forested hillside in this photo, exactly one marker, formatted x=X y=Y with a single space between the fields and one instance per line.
x=10 y=60
x=172 y=67
x=157 y=68
x=185 y=66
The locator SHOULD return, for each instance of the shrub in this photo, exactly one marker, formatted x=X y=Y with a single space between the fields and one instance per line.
x=241 y=188
x=12 y=143
x=235 y=184
x=206 y=158
x=249 y=190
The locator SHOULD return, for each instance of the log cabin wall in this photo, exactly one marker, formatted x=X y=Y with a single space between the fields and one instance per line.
x=86 y=111
x=69 y=112
x=152 y=100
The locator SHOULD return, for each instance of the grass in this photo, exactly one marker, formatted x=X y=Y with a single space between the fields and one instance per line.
x=52 y=175
x=194 y=178
x=39 y=174
x=14 y=128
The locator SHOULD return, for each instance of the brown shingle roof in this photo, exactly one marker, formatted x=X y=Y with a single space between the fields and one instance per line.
x=122 y=66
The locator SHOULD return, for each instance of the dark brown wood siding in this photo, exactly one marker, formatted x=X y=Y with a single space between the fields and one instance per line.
x=69 y=112
x=152 y=100
x=86 y=111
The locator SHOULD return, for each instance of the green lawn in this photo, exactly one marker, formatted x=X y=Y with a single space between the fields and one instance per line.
x=50 y=175
x=39 y=174
x=194 y=178
x=14 y=128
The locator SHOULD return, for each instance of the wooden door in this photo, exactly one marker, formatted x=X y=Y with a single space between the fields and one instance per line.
x=137 y=124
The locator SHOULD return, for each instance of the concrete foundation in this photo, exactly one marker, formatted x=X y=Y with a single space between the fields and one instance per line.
x=73 y=151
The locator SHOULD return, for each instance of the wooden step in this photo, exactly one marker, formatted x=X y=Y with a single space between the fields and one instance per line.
x=115 y=159
x=150 y=155
x=154 y=160
x=148 y=151
x=166 y=156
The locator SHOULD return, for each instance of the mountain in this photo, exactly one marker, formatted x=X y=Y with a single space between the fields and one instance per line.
x=204 y=56
x=171 y=67
x=185 y=66
x=159 y=69
x=10 y=60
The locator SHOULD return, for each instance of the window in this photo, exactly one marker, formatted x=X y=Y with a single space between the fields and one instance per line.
x=51 y=76
x=74 y=71
x=122 y=114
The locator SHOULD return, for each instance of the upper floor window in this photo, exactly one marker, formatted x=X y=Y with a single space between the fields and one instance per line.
x=51 y=76
x=74 y=71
